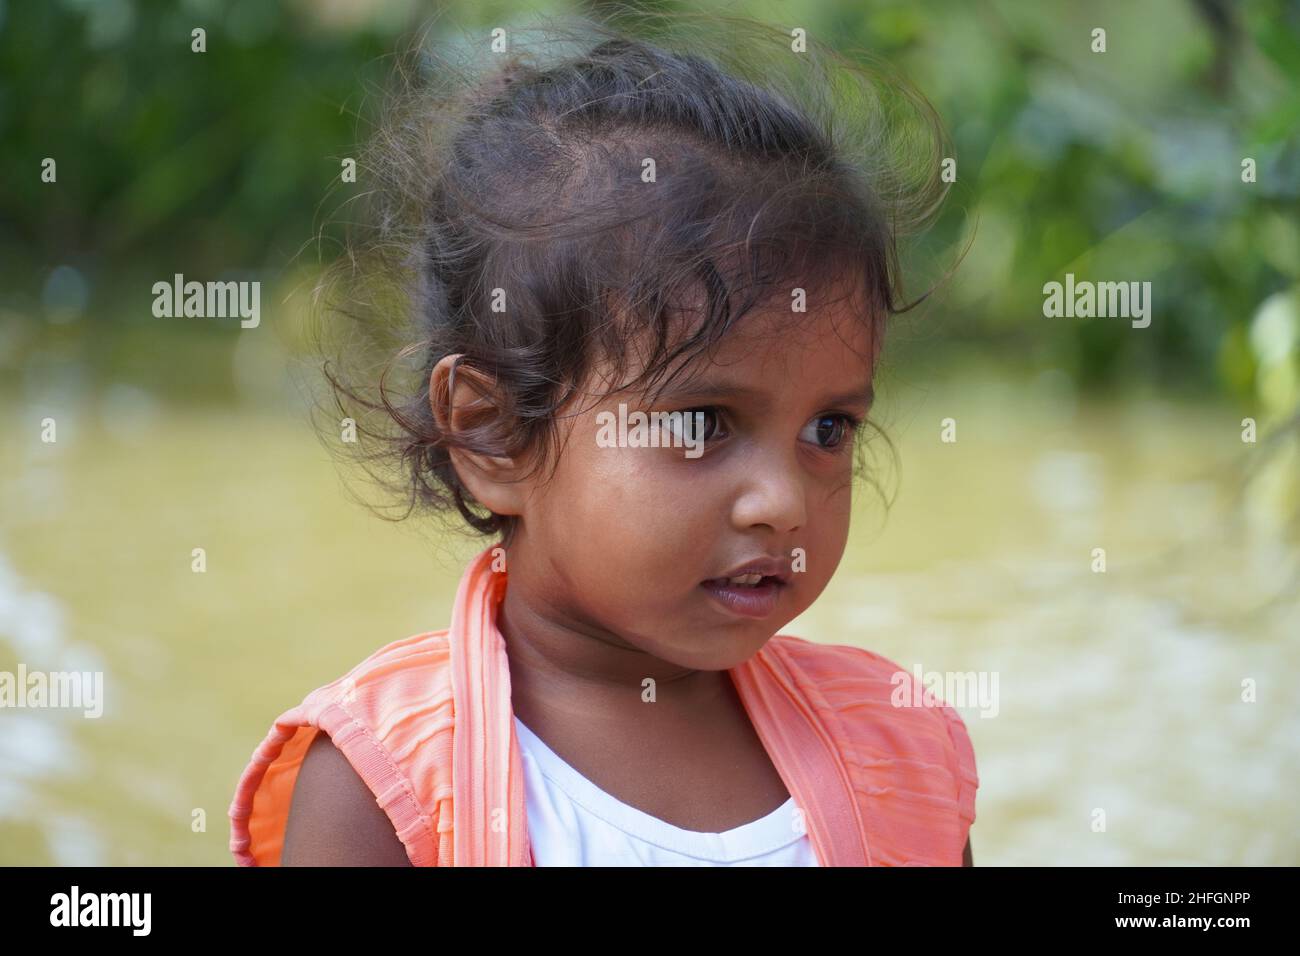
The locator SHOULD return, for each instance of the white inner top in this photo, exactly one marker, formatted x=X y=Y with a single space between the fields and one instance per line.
x=572 y=822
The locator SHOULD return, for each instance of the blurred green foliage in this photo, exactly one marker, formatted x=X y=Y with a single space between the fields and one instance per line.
x=1122 y=165
x=170 y=160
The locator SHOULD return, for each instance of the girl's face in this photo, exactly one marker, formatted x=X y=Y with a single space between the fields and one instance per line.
x=618 y=544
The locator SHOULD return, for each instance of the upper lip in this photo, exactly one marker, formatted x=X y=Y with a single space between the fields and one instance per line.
x=768 y=567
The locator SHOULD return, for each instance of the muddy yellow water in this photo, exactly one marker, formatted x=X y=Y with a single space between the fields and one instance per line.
x=1140 y=714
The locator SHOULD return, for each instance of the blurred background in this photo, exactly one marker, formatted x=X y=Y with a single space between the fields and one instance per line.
x=1120 y=691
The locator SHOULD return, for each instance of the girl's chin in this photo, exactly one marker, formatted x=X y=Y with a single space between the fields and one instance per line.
x=720 y=650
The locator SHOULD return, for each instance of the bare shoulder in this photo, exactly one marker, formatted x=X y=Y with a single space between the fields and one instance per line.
x=334 y=819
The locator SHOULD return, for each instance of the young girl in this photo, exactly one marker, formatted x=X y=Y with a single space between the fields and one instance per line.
x=650 y=294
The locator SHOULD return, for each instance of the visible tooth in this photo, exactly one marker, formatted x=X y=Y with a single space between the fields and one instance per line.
x=746 y=579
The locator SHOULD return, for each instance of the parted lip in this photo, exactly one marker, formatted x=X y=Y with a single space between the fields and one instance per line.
x=769 y=567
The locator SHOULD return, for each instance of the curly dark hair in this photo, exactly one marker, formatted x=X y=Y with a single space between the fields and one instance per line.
x=520 y=180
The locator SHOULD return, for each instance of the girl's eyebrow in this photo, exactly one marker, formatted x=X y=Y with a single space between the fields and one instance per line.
x=865 y=395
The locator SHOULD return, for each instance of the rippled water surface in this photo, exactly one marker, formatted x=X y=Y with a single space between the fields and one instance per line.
x=1119 y=694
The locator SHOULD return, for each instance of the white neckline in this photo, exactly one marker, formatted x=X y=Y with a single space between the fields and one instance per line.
x=756 y=838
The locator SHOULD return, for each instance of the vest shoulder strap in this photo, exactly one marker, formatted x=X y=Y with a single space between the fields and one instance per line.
x=392 y=718
x=908 y=754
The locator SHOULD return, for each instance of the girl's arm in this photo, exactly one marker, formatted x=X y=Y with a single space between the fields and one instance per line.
x=965 y=855
x=334 y=819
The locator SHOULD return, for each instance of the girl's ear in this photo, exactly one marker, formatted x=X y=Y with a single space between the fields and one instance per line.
x=466 y=404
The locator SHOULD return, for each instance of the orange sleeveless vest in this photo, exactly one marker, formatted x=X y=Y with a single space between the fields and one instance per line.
x=426 y=723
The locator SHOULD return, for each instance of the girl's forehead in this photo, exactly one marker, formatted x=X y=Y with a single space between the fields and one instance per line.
x=775 y=353
x=763 y=350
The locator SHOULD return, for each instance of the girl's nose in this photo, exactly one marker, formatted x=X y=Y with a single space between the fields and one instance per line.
x=771 y=493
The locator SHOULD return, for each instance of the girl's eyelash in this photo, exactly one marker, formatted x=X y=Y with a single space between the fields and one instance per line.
x=854 y=423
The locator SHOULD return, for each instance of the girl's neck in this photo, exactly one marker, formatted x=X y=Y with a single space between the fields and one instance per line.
x=565 y=665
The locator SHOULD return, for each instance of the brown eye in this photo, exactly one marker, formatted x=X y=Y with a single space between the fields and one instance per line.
x=697 y=429
x=828 y=431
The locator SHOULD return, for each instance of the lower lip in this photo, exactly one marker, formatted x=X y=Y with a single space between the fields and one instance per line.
x=759 y=601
